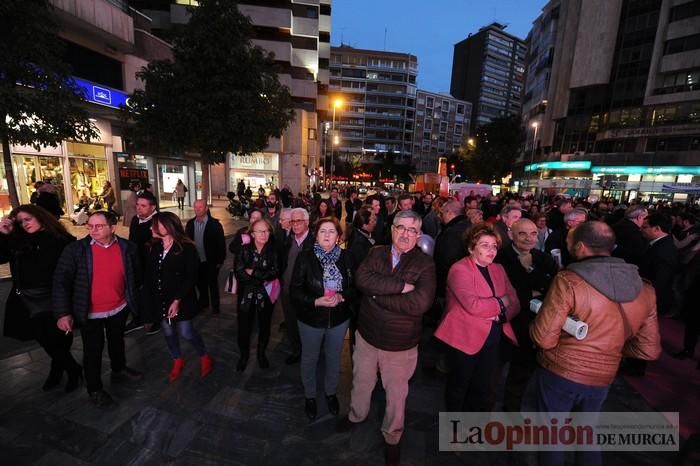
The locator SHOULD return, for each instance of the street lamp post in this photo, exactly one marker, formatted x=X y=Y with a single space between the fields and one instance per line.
x=532 y=153
x=336 y=103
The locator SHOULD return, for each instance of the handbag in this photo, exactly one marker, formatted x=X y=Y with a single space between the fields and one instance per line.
x=231 y=285
x=36 y=300
x=18 y=323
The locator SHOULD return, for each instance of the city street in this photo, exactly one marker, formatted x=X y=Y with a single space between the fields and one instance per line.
x=229 y=418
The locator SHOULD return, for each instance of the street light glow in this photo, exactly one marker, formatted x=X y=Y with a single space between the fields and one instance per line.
x=535 y=124
x=337 y=103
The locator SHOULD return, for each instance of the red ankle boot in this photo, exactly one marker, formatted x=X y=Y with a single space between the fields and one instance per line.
x=178 y=364
x=206 y=366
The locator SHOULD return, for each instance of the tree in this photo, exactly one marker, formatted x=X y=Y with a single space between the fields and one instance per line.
x=219 y=94
x=40 y=104
x=495 y=149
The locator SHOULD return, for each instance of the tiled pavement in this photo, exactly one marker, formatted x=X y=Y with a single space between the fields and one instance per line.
x=229 y=418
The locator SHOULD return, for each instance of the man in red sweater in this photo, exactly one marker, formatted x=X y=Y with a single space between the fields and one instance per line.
x=94 y=288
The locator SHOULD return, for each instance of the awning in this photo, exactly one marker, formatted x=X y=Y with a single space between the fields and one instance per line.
x=688 y=188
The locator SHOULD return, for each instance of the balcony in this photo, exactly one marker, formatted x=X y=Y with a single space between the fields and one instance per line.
x=104 y=19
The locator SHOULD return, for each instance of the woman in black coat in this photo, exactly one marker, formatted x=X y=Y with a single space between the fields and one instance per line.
x=322 y=284
x=32 y=240
x=257 y=272
x=171 y=277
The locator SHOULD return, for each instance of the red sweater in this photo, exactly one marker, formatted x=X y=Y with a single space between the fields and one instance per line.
x=108 y=280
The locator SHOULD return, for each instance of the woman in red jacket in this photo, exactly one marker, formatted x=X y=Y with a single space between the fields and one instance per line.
x=480 y=303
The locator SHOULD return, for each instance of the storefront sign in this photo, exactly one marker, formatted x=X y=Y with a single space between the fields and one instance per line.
x=648 y=131
x=578 y=165
x=101 y=95
x=258 y=161
x=641 y=170
x=131 y=175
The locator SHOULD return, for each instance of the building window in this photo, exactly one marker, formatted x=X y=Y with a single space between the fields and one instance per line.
x=443 y=126
x=445 y=105
x=460 y=109
x=686 y=10
x=429 y=102
x=458 y=129
x=304 y=11
x=682 y=44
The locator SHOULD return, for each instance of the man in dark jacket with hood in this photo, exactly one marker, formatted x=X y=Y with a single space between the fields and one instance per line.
x=397 y=283
x=620 y=310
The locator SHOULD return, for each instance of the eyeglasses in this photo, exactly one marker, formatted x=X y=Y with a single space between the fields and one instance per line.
x=401 y=229
x=487 y=246
x=96 y=226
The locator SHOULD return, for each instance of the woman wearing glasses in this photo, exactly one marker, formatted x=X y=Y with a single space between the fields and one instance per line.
x=322 y=288
x=480 y=303
x=32 y=240
x=171 y=277
x=257 y=273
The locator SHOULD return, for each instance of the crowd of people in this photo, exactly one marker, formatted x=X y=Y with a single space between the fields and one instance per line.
x=385 y=269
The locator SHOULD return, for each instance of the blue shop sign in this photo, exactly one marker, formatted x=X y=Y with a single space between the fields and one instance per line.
x=577 y=165
x=101 y=95
x=643 y=170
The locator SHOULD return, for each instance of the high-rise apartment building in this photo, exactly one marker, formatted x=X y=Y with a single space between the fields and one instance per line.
x=298 y=32
x=487 y=70
x=541 y=43
x=441 y=127
x=624 y=100
x=378 y=94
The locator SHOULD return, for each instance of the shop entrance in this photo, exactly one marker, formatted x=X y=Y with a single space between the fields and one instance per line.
x=168 y=175
x=30 y=169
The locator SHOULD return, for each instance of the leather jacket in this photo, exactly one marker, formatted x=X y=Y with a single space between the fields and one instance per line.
x=307 y=285
x=620 y=310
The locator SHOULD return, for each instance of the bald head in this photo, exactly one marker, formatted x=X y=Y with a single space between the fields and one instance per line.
x=200 y=208
x=450 y=210
x=524 y=235
x=591 y=239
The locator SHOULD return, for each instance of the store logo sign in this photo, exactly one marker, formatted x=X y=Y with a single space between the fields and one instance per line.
x=102 y=95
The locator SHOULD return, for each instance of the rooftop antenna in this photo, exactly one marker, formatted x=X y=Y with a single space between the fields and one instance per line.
x=385 y=38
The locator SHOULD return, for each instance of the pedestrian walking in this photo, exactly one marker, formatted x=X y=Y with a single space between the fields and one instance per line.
x=94 y=287
x=32 y=240
x=171 y=278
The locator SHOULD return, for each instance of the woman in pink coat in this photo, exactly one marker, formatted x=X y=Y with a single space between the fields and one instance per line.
x=480 y=303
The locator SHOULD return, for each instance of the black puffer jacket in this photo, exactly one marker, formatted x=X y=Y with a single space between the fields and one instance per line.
x=72 y=280
x=307 y=285
x=251 y=288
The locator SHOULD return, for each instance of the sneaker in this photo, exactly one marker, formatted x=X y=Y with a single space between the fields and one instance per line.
x=126 y=375
x=101 y=399
x=132 y=327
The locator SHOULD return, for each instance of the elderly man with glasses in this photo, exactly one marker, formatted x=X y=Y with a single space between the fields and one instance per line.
x=300 y=239
x=397 y=283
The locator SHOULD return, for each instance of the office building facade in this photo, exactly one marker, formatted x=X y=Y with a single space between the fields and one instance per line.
x=624 y=98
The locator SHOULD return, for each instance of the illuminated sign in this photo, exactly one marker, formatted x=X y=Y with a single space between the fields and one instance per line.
x=101 y=95
x=578 y=165
x=642 y=170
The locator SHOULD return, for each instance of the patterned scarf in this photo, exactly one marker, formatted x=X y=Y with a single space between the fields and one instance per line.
x=328 y=260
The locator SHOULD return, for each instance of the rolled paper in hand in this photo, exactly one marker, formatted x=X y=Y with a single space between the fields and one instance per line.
x=573 y=327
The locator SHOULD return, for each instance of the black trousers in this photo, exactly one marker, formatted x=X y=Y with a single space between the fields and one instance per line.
x=56 y=343
x=691 y=318
x=93 y=335
x=470 y=385
x=246 y=320
x=523 y=362
x=208 y=285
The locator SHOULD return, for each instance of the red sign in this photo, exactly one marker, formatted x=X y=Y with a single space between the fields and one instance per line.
x=131 y=175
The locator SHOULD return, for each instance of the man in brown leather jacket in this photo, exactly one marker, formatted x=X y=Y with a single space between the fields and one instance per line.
x=620 y=310
x=397 y=283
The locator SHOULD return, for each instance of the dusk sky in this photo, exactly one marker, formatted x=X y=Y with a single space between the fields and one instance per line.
x=426 y=28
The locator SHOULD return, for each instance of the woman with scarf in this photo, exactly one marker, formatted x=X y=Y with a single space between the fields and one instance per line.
x=257 y=273
x=322 y=284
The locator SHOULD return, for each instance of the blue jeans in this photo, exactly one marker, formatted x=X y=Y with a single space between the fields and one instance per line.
x=186 y=331
x=311 y=339
x=557 y=394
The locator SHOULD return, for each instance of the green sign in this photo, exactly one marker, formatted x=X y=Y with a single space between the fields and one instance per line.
x=578 y=165
x=642 y=170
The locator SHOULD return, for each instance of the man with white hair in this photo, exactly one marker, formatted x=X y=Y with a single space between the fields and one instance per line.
x=299 y=240
x=556 y=241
